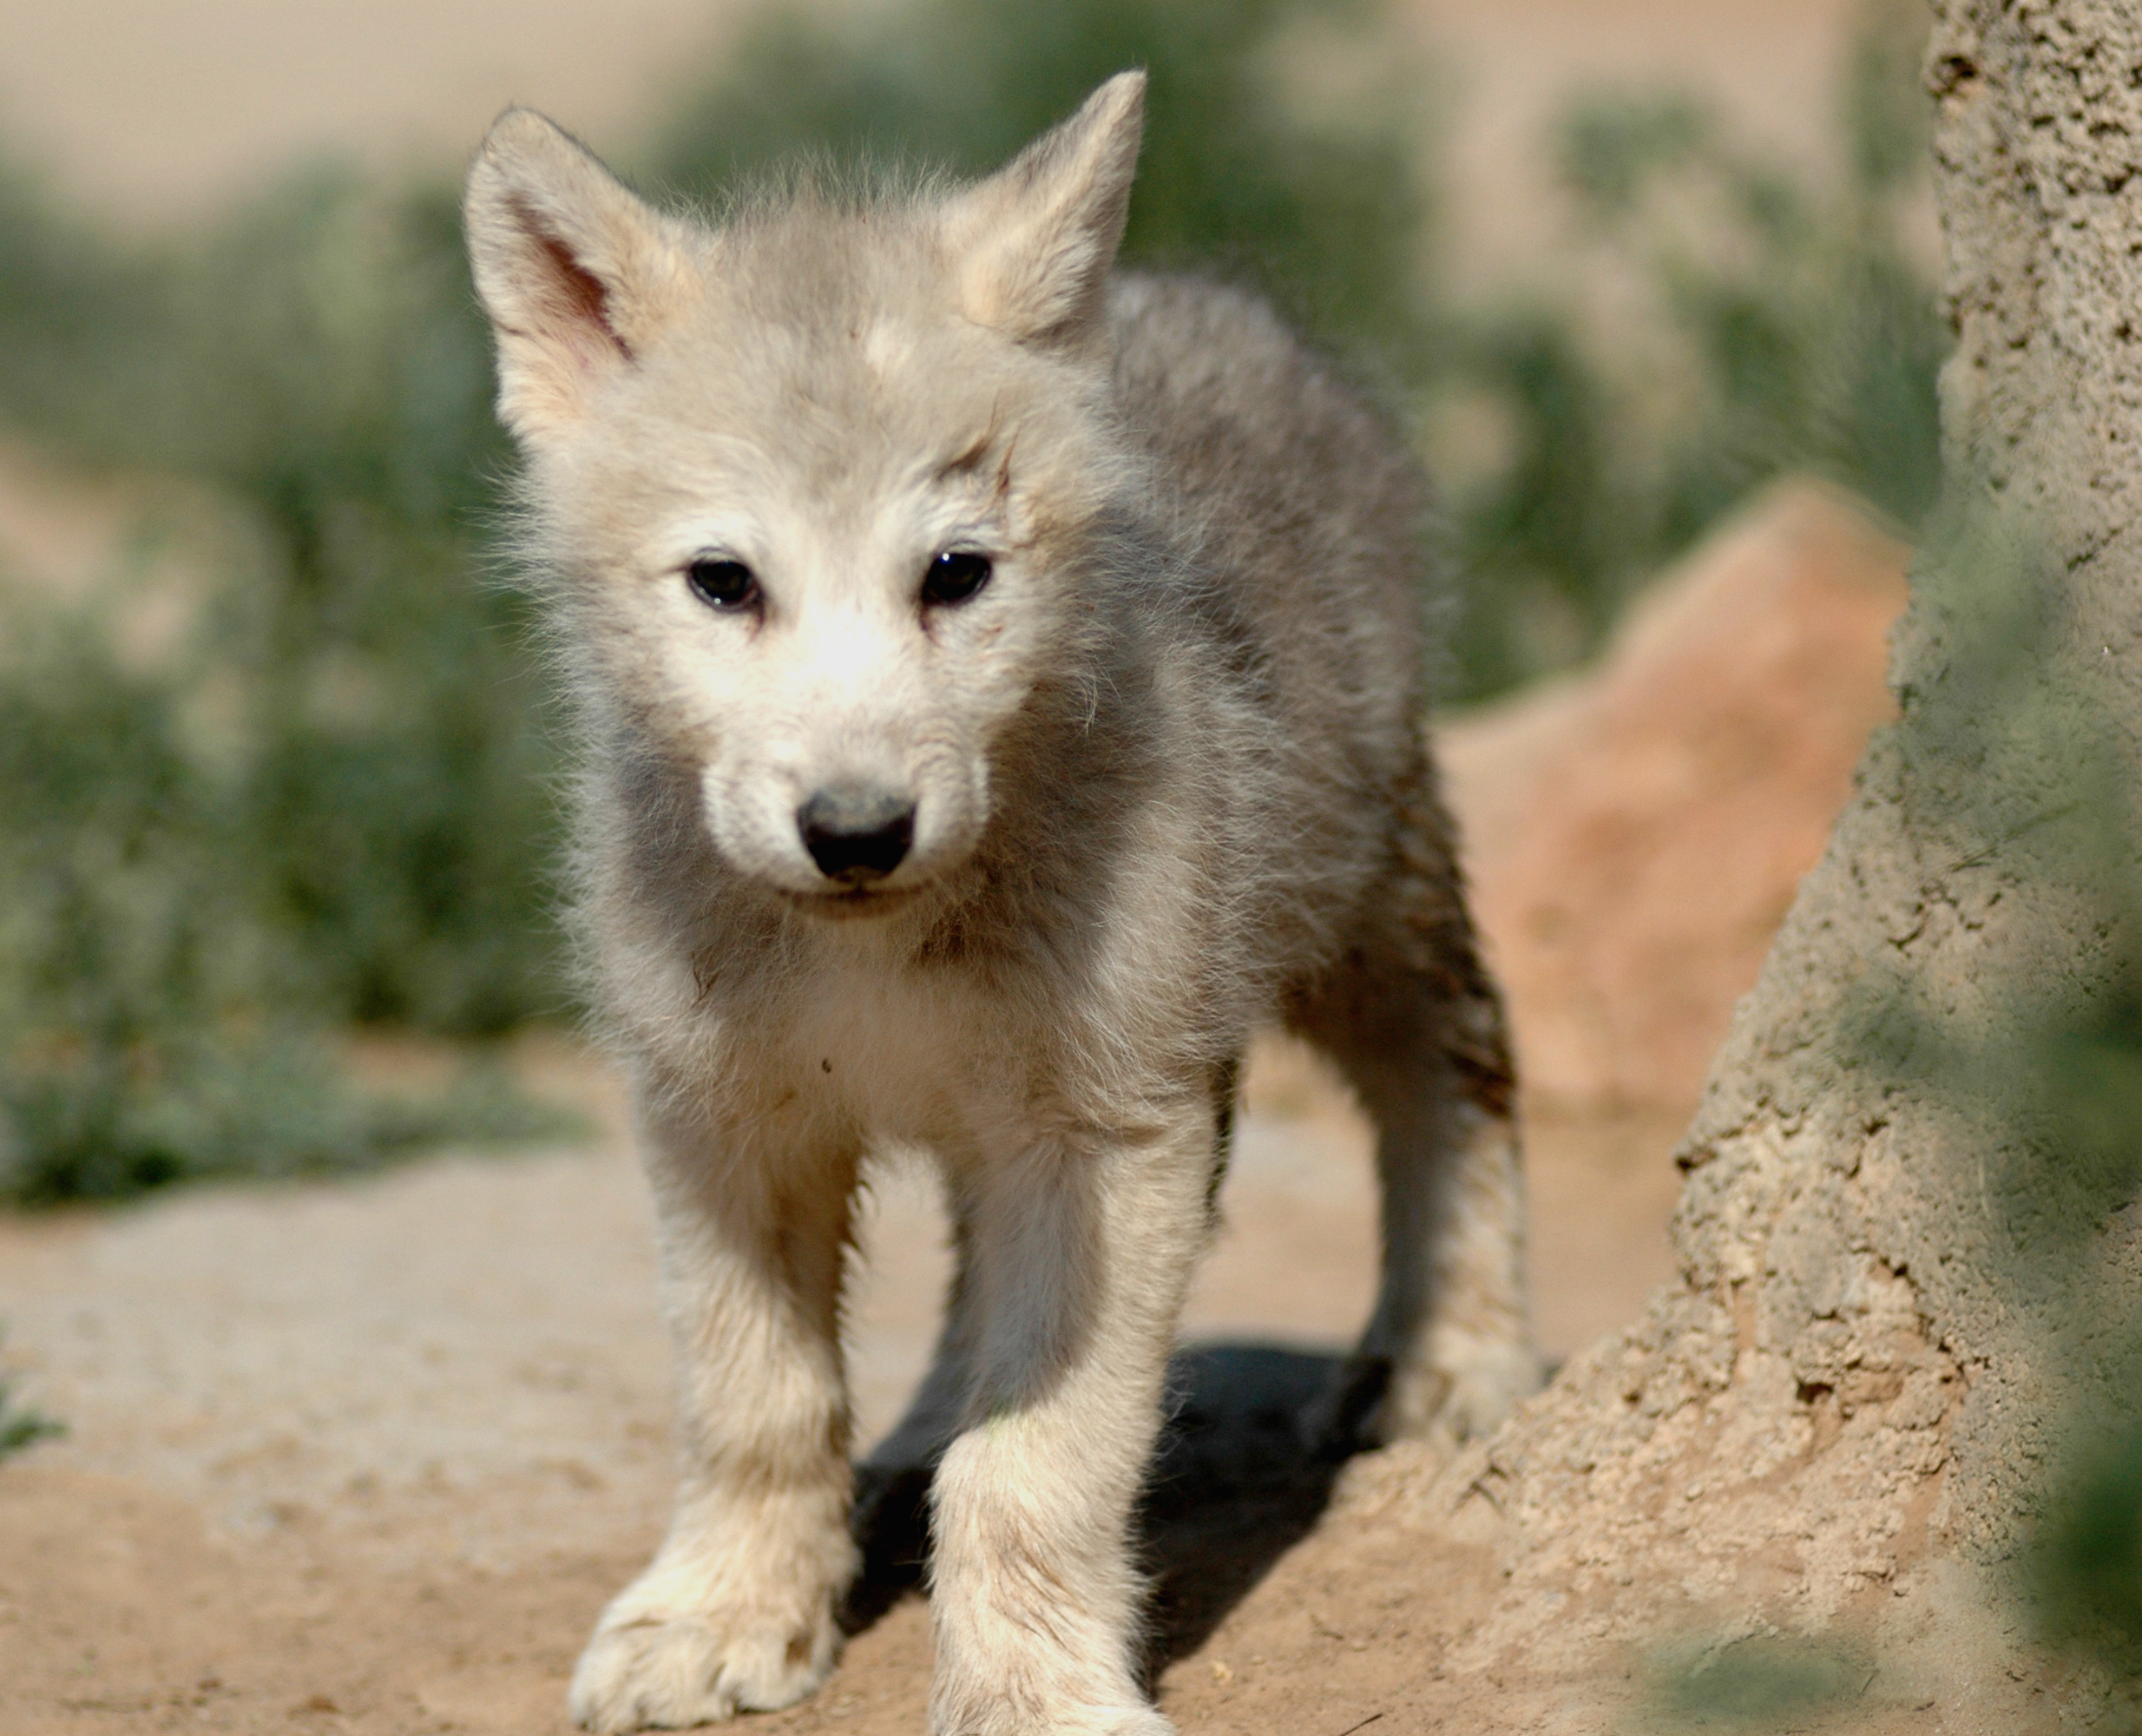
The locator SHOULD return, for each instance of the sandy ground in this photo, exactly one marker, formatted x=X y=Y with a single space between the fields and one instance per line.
x=372 y=1454
x=258 y=1350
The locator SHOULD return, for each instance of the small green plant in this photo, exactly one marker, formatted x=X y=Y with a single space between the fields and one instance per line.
x=21 y=1425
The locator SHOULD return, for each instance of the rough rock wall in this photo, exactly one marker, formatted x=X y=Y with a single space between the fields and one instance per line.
x=1851 y=1387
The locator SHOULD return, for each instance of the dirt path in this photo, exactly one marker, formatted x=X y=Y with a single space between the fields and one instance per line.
x=371 y=1455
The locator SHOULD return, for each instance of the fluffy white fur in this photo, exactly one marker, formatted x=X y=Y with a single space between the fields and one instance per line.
x=1166 y=781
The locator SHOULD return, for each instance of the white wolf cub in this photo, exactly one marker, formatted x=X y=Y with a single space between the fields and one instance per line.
x=1000 y=689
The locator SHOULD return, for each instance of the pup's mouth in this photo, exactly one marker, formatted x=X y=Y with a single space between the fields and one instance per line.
x=852 y=903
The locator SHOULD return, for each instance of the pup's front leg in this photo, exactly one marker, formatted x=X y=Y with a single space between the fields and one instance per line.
x=1082 y=1250
x=736 y=1612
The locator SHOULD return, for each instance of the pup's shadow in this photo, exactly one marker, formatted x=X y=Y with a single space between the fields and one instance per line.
x=1255 y=1439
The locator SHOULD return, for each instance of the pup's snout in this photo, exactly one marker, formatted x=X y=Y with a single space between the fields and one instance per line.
x=857 y=835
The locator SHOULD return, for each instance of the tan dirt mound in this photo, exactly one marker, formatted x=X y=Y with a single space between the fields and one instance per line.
x=1635 y=834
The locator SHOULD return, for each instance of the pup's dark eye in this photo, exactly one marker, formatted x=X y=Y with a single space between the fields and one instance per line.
x=722 y=584
x=953 y=576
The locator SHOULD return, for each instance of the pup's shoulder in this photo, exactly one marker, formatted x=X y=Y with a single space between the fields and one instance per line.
x=1202 y=364
x=1180 y=335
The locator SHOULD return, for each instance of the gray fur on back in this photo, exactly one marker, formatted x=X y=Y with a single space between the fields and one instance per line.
x=1296 y=513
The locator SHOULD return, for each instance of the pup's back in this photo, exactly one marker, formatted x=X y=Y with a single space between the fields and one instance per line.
x=1298 y=492
x=1300 y=510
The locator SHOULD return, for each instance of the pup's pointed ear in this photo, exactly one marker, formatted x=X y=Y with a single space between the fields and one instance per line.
x=1033 y=244
x=575 y=272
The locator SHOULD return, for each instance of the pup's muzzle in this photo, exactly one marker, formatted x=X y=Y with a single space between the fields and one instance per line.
x=857 y=835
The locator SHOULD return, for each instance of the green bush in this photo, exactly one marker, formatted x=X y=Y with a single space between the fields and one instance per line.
x=1783 y=322
x=317 y=362
x=326 y=802
x=160 y=1003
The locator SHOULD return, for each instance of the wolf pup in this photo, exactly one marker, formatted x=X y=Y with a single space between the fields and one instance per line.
x=1000 y=687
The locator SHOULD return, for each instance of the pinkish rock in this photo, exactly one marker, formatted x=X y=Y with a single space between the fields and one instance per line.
x=1633 y=834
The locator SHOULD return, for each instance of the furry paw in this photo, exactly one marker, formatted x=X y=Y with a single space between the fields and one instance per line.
x=1462 y=1393
x=647 y=1672
x=1142 y=1721
x=981 y=1717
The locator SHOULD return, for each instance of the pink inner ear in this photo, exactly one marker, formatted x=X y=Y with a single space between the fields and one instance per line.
x=580 y=295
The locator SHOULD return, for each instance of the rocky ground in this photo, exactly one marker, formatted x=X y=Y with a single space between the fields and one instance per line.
x=368 y=1456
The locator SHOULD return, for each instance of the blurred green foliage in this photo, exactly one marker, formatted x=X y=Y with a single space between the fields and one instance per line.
x=1759 y=1682
x=1736 y=318
x=2021 y=775
x=323 y=801
x=21 y=1427
x=1241 y=172
x=2085 y=1563
x=328 y=800
x=160 y=999
x=315 y=362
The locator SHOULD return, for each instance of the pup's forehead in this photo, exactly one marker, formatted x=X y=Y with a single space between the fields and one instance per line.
x=833 y=405
x=813 y=266
x=813 y=340
x=834 y=423
x=825 y=371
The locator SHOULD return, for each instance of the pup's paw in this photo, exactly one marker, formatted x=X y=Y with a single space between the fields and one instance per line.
x=1463 y=1392
x=645 y=1671
x=1128 y=1721
x=980 y=1716
x=1141 y=1721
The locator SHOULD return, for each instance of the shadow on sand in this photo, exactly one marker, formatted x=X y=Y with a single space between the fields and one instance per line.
x=1255 y=1437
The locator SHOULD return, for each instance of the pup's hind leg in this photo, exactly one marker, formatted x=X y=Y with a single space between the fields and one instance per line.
x=1414 y=1023
x=892 y=1483
x=736 y=1612
x=938 y=1410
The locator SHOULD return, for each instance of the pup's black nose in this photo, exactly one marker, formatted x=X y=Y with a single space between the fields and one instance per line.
x=857 y=835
